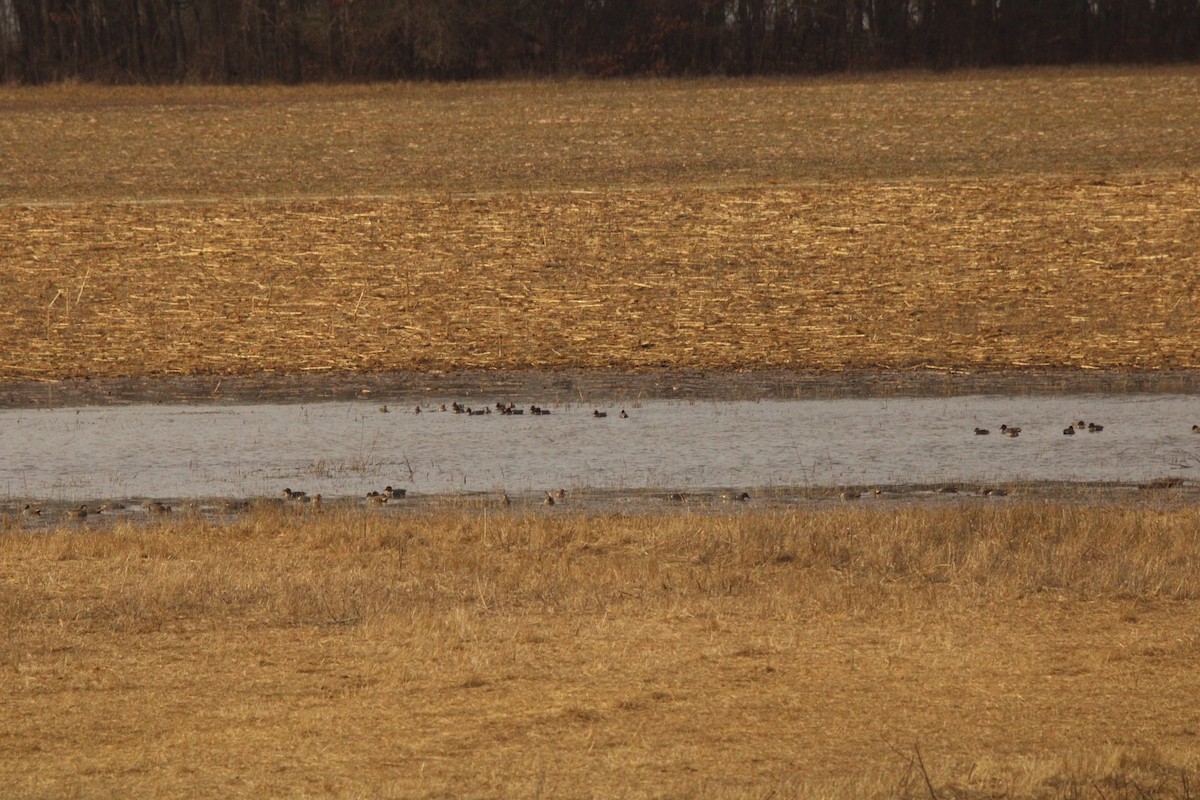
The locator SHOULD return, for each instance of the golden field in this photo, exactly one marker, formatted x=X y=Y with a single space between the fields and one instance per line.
x=990 y=650
x=976 y=221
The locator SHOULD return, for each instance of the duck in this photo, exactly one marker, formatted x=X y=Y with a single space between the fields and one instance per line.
x=562 y=494
x=31 y=511
x=112 y=506
x=417 y=410
x=982 y=431
x=737 y=497
x=623 y=415
x=383 y=409
x=549 y=499
x=504 y=501
x=849 y=494
x=1069 y=430
x=290 y=495
x=1009 y=430
x=1196 y=429
x=78 y=513
x=316 y=502
x=155 y=507
x=442 y=407
x=390 y=492
x=598 y=414
x=377 y=499
x=1080 y=425
x=1094 y=428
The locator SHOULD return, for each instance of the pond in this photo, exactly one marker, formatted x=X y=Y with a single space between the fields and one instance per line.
x=347 y=448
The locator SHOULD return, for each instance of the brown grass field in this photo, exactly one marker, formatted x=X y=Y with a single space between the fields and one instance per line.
x=988 y=651
x=978 y=221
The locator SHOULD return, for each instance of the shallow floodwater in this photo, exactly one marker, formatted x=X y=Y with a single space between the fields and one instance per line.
x=348 y=448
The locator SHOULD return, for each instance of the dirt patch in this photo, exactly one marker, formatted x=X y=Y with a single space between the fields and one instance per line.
x=573 y=385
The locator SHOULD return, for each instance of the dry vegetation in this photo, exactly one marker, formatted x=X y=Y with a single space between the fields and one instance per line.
x=1035 y=650
x=975 y=222
x=967 y=222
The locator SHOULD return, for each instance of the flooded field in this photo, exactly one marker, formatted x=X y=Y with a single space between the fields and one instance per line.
x=347 y=448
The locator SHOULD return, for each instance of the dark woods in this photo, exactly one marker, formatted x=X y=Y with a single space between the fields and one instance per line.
x=246 y=41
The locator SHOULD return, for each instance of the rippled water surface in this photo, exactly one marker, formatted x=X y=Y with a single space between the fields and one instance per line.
x=346 y=448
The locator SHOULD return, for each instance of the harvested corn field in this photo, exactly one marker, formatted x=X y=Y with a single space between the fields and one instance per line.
x=979 y=222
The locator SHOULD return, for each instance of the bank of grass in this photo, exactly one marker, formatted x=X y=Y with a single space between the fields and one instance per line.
x=977 y=221
x=1030 y=650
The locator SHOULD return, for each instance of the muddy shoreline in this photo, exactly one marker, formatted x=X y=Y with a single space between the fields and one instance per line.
x=563 y=386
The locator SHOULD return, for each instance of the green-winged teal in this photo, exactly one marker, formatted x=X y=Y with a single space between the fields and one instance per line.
x=1196 y=429
x=982 y=431
x=1010 y=431
x=390 y=492
x=549 y=499
x=1069 y=430
x=377 y=499
x=598 y=414
x=31 y=511
x=291 y=495
x=155 y=507
x=1094 y=428
x=849 y=494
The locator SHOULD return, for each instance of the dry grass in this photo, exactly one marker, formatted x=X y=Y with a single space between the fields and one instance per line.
x=976 y=222
x=1039 y=650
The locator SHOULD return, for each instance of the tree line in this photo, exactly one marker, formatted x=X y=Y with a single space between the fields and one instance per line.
x=290 y=41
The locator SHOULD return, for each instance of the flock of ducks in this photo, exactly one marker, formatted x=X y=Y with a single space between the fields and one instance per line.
x=506 y=409
x=1091 y=427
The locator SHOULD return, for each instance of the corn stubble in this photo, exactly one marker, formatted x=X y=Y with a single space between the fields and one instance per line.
x=982 y=222
x=1035 y=650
